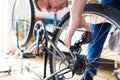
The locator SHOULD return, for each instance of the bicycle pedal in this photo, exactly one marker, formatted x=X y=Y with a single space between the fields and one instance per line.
x=28 y=55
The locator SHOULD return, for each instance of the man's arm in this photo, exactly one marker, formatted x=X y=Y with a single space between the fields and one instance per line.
x=76 y=20
x=76 y=15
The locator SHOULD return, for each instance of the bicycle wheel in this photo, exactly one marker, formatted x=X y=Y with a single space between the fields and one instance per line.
x=23 y=20
x=94 y=14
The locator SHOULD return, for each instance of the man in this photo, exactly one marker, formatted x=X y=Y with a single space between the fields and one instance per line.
x=76 y=21
x=51 y=5
x=55 y=5
x=95 y=50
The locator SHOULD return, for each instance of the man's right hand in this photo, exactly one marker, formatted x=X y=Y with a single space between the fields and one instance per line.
x=69 y=33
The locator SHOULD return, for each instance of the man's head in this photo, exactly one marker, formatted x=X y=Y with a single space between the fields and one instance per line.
x=51 y=5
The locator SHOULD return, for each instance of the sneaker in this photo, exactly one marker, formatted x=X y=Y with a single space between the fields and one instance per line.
x=87 y=76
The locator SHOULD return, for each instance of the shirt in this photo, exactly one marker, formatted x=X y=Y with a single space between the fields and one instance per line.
x=106 y=1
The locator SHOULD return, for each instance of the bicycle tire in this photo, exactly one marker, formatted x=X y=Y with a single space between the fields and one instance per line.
x=96 y=9
x=29 y=16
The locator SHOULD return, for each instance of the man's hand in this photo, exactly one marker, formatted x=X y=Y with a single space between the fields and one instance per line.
x=69 y=34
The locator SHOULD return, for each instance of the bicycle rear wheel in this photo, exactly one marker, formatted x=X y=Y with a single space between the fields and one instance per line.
x=94 y=14
x=23 y=21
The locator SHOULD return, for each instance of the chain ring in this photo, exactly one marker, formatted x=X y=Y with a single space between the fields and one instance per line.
x=39 y=30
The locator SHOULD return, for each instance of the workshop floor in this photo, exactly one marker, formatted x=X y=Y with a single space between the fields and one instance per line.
x=19 y=72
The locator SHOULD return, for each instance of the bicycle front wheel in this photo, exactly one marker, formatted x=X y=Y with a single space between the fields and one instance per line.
x=102 y=20
x=23 y=20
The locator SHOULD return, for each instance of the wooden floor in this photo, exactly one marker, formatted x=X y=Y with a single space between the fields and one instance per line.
x=19 y=72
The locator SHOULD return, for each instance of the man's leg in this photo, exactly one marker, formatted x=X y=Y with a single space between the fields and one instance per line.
x=96 y=50
x=95 y=47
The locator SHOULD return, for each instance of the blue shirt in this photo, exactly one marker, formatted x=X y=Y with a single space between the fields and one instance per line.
x=112 y=3
x=106 y=1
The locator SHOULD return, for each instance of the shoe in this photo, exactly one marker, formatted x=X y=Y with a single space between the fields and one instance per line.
x=87 y=76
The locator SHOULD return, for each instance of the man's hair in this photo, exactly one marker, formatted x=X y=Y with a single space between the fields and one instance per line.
x=36 y=5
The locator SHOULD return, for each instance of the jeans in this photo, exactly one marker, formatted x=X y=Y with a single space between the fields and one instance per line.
x=96 y=48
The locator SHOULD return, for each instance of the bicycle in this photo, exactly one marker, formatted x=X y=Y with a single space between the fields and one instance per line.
x=51 y=43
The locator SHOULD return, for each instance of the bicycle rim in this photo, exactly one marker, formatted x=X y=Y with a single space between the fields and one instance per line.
x=101 y=13
x=23 y=21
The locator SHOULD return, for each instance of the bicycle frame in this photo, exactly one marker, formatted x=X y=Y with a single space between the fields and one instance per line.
x=47 y=50
x=47 y=41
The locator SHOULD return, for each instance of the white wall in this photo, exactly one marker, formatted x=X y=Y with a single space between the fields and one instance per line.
x=7 y=39
x=7 y=42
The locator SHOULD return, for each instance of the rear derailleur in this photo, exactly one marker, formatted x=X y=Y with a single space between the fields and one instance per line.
x=80 y=62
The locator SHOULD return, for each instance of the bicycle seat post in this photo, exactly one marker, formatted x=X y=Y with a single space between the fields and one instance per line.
x=55 y=21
